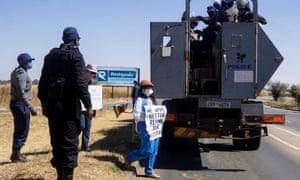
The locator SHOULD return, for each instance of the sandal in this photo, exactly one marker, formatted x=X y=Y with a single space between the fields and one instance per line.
x=155 y=176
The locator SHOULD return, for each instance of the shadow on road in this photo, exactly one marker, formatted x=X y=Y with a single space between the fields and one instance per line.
x=185 y=154
x=182 y=155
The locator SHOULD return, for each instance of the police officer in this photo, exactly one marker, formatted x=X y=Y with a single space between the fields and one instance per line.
x=63 y=84
x=229 y=11
x=246 y=14
x=20 y=105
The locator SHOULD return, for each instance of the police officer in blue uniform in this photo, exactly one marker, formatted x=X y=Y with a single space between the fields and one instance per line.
x=63 y=84
x=20 y=105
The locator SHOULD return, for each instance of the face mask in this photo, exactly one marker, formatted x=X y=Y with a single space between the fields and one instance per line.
x=29 y=65
x=148 y=92
x=26 y=65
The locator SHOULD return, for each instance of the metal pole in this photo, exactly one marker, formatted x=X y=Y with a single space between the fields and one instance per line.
x=187 y=45
x=255 y=11
x=255 y=21
x=112 y=92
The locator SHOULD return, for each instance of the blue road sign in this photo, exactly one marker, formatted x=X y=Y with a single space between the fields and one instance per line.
x=116 y=76
x=102 y=75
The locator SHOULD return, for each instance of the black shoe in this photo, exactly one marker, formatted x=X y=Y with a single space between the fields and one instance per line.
x=17 y=157
x=87 y=149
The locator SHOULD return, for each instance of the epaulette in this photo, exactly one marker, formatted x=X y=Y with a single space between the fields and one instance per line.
x=20 y=71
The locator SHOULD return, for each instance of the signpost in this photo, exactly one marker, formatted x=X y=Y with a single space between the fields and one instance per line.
x=117 y=76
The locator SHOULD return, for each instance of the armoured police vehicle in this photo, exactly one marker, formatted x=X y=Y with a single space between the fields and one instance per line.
x=210 y=83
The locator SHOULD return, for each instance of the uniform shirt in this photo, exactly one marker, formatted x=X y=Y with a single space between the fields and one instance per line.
x=139 y=108
x=67 y=62
x=21 y=87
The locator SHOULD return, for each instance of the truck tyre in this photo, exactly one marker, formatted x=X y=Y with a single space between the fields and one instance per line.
x=239 y=144
x=248 y=144
x=253 y=144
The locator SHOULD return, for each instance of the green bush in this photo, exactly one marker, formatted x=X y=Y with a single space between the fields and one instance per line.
x=277 y=89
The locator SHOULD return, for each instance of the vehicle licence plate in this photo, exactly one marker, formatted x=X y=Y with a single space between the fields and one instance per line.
x=218 y=104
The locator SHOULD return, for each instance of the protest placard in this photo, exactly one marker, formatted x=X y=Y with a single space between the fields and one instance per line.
x=96 y=97
x=155 y=117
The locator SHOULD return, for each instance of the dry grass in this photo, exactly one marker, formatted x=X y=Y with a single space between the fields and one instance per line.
x=110 y=94
x=283 y=104
x=265 y=93
x=110 y=138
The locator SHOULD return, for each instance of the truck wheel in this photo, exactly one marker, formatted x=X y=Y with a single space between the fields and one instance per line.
x=253 y=144
x=250 y=144
x=239 y=144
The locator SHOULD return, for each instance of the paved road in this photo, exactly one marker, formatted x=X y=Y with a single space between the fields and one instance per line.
x=278 y=157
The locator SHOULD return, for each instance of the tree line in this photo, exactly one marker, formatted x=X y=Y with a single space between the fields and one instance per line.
x=279 y=89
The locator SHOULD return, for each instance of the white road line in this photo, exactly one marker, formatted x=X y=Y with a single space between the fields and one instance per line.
x=290 y=132
x=284 y=142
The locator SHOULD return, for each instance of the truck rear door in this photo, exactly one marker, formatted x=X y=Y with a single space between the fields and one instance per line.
x=243 y=73
x=238 y=60
x=168 y=68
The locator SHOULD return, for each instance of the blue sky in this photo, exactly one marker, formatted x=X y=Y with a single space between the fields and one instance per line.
x=116 y=32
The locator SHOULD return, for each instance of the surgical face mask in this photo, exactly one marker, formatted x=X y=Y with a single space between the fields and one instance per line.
x=29 y=65
x=26 y=65
x=148 y=92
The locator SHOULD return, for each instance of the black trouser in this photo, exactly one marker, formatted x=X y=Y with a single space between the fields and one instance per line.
x=64 y=132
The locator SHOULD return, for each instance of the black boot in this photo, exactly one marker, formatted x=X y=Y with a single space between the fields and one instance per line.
x=59 y=173
x=17 y=157
x=67 y=173
x=64 y=173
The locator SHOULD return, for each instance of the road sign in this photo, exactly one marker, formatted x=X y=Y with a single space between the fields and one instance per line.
x=117 y=76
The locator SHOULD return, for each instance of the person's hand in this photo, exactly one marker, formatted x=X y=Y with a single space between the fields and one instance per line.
x=89 y=113
x=33 y=112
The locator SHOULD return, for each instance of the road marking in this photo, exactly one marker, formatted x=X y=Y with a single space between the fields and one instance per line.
x=290 y=132
x=284 y=142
